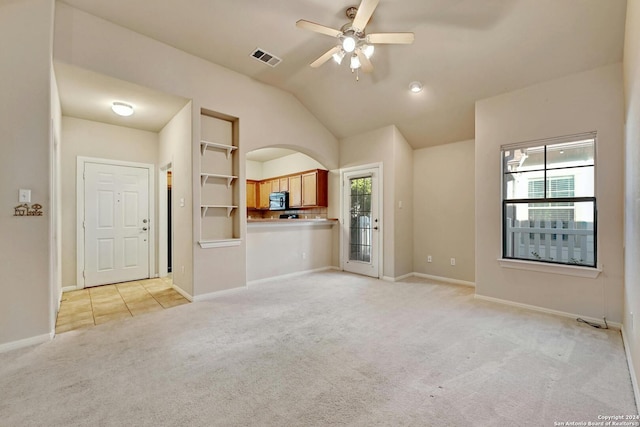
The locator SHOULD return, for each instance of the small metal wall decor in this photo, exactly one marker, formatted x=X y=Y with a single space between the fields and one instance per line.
x=26 y=210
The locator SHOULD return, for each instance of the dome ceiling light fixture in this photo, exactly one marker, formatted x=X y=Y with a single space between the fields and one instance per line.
x=352 y=40
x=122 y=109
x=415 y=87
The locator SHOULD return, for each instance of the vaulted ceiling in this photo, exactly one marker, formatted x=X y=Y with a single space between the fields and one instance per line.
x=464 y=50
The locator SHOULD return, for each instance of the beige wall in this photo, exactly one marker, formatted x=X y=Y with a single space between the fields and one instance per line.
x=388 y=147
x=588 y=101
x=254 y=170
x=632 y=185
x=92 y=43
x=85 y=138
x=275 y=250
x=444 y=216
x=293 y=163
x=25 y=121
x=402 y=205
x=175 y=149
x=375 y=147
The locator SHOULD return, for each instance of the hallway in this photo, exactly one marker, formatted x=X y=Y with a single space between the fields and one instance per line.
x=93 y=306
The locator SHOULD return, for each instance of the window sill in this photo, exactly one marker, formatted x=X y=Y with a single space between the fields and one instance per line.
x=567 y=270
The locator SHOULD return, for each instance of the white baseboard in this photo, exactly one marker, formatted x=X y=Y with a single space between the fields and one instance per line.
x=69 y=288
x=445 y=279
x=632 y=371
x=290 y=275
x=182 y=292
x=613 y=325
x=216 y=294
x=397 y=279
x=27 y=342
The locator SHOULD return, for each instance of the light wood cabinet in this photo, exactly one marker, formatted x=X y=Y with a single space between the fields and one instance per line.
x=284 y=184
x=314 y=188
x=252 y=195
x=263 y=194
x=306 y=190
x=295 y=191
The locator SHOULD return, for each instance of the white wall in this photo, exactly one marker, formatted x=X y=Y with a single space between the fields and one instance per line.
x=632 y=184
x=93 y=139
x=92 y=43
x=175 y=149
x=275 y=250
x=588 y=101
x=444 y=215
x=25 y=126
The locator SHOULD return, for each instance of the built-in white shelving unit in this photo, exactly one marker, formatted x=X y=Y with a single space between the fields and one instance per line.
x=219 y=193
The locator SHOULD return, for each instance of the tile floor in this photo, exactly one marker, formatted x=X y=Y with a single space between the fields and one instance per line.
x=93 y=306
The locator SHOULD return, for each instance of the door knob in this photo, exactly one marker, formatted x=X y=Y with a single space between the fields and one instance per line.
x=375 y=228
x=144 y=228
x=144 y=221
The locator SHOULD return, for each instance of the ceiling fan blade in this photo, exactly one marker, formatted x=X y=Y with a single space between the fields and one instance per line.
x=365 y=10
x=312 y=26
x=391 y=38
x=365 y=64
x=324 y=58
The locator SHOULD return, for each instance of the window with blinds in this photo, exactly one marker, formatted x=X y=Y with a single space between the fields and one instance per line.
x=549 y=204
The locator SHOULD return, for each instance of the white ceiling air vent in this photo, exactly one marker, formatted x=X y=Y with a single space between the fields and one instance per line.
x=266 y=57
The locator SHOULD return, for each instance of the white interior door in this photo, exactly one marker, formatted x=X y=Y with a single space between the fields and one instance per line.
x=361 y=225
x=116 y=223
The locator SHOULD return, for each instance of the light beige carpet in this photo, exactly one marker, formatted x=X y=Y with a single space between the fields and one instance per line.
x=323 y=349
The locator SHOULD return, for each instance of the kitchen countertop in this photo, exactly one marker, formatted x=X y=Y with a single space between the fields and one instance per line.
x=291 y=221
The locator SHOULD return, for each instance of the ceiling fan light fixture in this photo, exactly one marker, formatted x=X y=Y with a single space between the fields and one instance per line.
x=355 y=62
x=415 y=87
x=368 y=49
x=122 y=109
x=349 y=44
x=338 y=56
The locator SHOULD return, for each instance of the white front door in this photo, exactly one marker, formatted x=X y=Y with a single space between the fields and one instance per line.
x=116 y=223
x=361 y=225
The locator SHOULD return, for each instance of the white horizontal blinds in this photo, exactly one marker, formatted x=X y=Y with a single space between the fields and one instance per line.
x=550 y=141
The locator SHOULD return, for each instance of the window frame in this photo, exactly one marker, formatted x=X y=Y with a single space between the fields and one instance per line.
x=506 y=202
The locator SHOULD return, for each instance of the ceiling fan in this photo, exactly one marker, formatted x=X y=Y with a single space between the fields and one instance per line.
x=352 y=39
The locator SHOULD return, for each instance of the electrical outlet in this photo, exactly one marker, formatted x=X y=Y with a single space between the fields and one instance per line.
x=304 y=255
x=429 y=259
x=453 y=261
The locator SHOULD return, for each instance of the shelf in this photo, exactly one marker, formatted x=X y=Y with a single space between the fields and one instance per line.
x=229 y=208
x=205 y=176
x=206 y=244
x=208 y=144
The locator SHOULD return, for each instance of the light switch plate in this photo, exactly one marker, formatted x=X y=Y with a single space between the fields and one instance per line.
x=24 y=196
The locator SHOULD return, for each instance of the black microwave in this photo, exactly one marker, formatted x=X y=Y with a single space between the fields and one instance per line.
x=279 y=201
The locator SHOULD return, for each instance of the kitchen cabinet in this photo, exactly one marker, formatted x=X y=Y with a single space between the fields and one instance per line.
x=252 y=195
x=314 y=188
x=295 y=191
x=306 y=189
x=284 y=184
x=263 y=194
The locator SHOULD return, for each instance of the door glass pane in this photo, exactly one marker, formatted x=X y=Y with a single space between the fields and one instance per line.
x=361 y=221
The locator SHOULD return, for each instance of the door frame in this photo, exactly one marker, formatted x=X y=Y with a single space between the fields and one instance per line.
x=343 y=235
x=163 y=220
x=80 y=163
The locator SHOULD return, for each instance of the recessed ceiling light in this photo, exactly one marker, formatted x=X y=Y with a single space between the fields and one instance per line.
x=415 y=87
x=122 y=109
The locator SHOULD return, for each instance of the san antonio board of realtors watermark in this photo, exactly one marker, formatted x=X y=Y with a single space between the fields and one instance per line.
x=604 y=421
